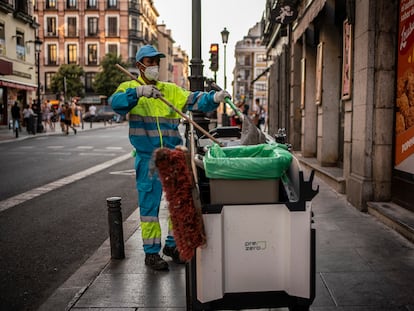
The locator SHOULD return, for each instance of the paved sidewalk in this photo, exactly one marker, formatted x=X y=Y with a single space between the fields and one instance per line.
x=7 y=135
x=361 y=265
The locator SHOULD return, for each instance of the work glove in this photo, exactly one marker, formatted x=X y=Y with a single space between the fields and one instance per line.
x=148 y=91
x=220 y=96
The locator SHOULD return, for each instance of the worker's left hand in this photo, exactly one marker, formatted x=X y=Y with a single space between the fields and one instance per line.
x=148 y=91
x=220 y=96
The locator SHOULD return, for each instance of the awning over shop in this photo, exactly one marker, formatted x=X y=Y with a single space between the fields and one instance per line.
x=307 y=17
x=6 y=68
x=17 y=85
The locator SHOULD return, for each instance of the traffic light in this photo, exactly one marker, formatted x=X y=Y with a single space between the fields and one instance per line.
x=214 y=57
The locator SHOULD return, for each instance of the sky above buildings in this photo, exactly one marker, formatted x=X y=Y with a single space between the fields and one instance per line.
x=238 y=16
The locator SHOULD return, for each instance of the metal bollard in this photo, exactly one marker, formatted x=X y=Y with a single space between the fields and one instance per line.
x=116 y=235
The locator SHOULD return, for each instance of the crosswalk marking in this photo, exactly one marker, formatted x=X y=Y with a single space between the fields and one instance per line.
x=84 y=147
x=55 y=147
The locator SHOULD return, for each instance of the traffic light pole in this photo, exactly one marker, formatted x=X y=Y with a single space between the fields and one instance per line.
x=224 y=117
x=196 y=64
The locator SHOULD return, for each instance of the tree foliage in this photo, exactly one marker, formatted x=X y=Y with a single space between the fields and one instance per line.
x=107 y=80
x=68 y=80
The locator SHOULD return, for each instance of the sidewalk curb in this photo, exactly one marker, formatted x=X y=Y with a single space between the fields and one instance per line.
x=66 y=296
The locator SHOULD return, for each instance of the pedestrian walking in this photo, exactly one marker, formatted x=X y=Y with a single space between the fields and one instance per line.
x=53 y=118
x=75 y=113
x=92 y=112
x=28 y=119
x=255 y=112
x=67 y=112
x=154 y=125
x=45 y=108
x=61 y=115
x=262 y=118
x=16 y=116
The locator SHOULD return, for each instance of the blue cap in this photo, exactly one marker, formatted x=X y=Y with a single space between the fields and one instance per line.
x=148 y=51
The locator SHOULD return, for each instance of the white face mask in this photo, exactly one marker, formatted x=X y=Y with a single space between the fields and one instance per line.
x=151 y=72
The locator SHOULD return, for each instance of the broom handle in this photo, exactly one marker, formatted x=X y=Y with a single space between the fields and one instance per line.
x=207 y=134
x=228 y=101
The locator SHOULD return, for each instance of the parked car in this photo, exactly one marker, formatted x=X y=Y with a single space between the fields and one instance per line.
x=103 y=113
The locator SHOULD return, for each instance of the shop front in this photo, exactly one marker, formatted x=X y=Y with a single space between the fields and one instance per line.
x=403 y=172
x=11 y=91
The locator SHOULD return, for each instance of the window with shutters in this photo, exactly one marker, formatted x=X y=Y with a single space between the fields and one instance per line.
x=92 y=54
x=72 y=52
x=72 y=27
x=112 y=26
x=92 y=26
x=52 y=54
x=51 y=4
x=51 y=29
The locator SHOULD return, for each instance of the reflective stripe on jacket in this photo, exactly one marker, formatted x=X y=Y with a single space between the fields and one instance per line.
x=152 y=123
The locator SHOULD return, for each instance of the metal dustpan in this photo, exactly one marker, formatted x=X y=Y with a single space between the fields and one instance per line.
x=250 y=133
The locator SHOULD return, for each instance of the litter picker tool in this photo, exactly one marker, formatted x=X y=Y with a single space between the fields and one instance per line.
x=206 y=133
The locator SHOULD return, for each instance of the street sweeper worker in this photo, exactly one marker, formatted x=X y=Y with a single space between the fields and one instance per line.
x=152 y=124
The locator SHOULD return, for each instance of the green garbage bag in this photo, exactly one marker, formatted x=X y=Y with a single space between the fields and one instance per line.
x=263 y=161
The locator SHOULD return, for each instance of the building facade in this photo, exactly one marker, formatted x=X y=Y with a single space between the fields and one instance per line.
x=181 y=68
x=249 y=79
x=349 y=108
x=165 y=44
x=83 y=32
x=18 y=67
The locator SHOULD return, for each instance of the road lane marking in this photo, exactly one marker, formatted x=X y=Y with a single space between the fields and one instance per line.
x=55 y=147
x=97 y=154
x=106 y=150
x=84 y=147
x=28 y=195
x=114 y=148
x=60 y=153
x=124 y=172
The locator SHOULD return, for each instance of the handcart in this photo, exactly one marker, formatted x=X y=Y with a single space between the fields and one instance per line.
x=260 y=250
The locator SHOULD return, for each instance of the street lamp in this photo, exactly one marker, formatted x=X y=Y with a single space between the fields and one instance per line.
x=38 y=44
x=225 y=39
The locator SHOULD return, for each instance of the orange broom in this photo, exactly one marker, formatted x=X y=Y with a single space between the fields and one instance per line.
x=182 y=197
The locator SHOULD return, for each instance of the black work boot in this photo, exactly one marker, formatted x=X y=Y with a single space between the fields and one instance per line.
x=155 y=262
x=173 y=253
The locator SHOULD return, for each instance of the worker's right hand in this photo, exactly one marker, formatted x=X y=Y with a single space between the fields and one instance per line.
x=220 y=96
x=149 y=91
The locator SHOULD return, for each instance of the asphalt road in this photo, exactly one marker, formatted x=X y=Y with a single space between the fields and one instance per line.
x=45 y=239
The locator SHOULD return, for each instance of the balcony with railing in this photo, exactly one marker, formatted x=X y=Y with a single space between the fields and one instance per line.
x=133 y=7
x=6 y=6
x=112 y=4
x=134 y=34
x=92 y=5
x=51 y=34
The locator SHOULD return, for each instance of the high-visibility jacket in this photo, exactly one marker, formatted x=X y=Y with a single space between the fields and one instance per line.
x=152 y=124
